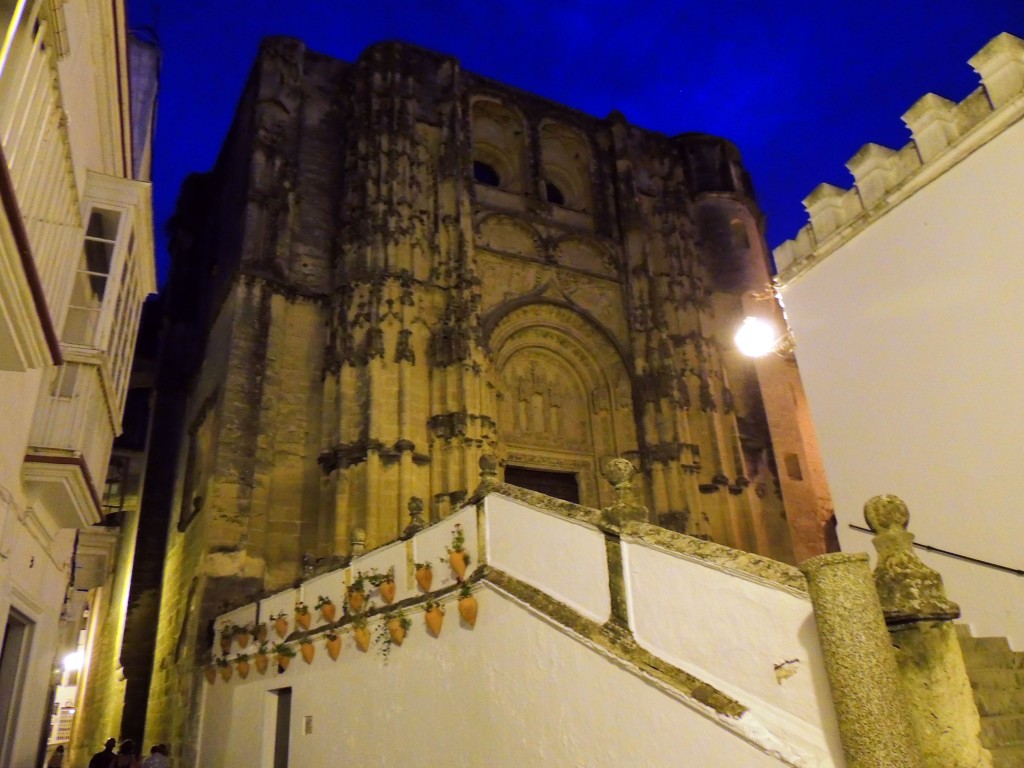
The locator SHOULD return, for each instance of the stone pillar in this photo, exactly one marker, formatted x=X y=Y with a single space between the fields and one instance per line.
x=933 y=677
x=859 y=660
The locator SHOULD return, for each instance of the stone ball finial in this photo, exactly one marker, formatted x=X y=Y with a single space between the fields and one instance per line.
x=488 y=464
x=618 y=471
x=416 y=523
x=358 y=542
x=886 y=513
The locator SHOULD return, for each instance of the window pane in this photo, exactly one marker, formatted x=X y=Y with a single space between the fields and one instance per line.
x=98 y=255
x=103 y=224
x=64 y=381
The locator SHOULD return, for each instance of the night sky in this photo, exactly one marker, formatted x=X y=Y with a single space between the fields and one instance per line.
x=799 y=88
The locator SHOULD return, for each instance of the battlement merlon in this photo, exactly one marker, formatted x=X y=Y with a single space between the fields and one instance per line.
x=943 y=132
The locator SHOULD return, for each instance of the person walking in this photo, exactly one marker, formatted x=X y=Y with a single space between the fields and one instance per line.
x=57 y=758
x=127 y=756
x=157 y=757
x=104 y=759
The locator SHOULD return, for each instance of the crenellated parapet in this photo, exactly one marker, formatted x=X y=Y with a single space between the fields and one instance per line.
x=943 y=132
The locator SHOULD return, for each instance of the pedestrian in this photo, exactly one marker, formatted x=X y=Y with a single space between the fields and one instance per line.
x=57 y=758
x=127 y=756
x=104 y=759
x=157 y=757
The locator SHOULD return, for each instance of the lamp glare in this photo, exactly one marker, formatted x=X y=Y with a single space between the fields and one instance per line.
x=755 y=337
x=73 y=661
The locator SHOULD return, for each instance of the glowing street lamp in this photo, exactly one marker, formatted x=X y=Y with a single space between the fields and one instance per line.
x=757 y=337
x=73 y=661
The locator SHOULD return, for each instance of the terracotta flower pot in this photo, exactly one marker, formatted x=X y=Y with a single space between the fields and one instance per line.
x=387 y=592
x=243 y=638
x=243 y=669
x=457 y=560
x=303 y=619
x=328 y=610
x=225 y=643
x=210 y=673
x=281 y=627
x=424 y=578
x=333 y=648
x=356 y=600
x=307 y=650
x=225 y=673
x=362 y=637
x=468 y=609
x=434 y=619
x=397 y=631
x=283 y=661
x=261 y=633
x=262 y=662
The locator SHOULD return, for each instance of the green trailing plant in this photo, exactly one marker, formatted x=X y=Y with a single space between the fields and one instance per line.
x=322 y=600
x=301 y=609
x=458 y=540
x=392 y=631
x=358 y=582
x=283 y=649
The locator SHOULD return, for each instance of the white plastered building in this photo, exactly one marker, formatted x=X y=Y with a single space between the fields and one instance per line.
x=76 y=263
x=902 y=294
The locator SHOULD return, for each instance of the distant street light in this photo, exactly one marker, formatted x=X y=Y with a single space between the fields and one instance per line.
x=73 y=661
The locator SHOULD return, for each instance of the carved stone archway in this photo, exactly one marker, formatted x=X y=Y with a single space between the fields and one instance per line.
x=564 y=399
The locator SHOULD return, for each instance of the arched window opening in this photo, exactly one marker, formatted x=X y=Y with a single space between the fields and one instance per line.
x=553 y=194
x=483 y=173
x=565 y=164
x=739 y=234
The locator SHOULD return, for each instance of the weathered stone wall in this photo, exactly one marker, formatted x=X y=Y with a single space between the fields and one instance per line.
x=411 y=265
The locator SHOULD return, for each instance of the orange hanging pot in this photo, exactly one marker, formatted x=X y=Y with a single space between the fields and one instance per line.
x=307 y=650
x=262 y=662
x=333 y=646
x=356 y=600
x=387 y=592
x=243 y=668
x=328 y=610
x=281 y=626
x=434 y=618
x=210 y=673
x=396 y=631
x=468 y=609
x=424 y=577
x=458 y=560
x=225 y=672
x=362 y=637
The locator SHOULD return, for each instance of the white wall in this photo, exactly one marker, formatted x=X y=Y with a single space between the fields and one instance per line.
x=731 y=632
x=520 y=689
x=910 y=350
x=514 y=691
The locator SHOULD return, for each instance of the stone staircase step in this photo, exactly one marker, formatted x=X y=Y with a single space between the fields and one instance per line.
x=994 y=659
x=973 y=645
x=993 y=701
x=1001 y=730
x=1010 y=756
x=996 y=679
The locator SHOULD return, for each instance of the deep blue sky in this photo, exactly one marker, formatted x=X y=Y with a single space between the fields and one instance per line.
x=799 y=88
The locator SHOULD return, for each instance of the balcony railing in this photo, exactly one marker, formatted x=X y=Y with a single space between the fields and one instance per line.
x=72 y=427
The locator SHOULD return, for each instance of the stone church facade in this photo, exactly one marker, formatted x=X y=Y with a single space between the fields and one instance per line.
x=397 y=266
